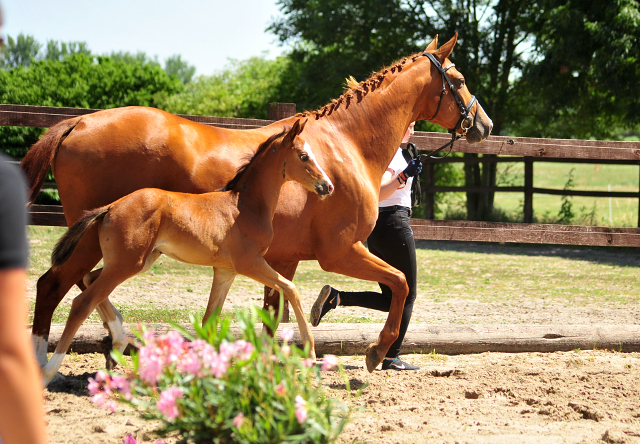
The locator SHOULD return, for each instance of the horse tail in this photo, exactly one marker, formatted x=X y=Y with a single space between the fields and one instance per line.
x=36 y=163
x=67 y=243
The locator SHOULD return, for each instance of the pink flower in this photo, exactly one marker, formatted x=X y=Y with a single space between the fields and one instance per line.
x=190 y=363
x=308 y=362
x=301 y=409
x=238 y=420
x=122 y=384
x=286 y=351
x=100 y=398
x=280 y=389
x=171 y=344
x=328 y=362
x=167 y=403
x=243 y=349
x=151 y=365
x=130 y=440
x=287 y=334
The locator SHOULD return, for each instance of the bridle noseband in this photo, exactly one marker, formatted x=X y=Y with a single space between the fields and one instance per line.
x=464 y=109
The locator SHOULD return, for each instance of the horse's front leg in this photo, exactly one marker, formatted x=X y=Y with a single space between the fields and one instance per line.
x=359 y=263
x=222 y=280
x=260 y=271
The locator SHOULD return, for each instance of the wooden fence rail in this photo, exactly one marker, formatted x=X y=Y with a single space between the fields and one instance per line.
x=528 y=150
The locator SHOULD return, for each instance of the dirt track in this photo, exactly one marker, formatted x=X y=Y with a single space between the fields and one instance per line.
x=564 y=397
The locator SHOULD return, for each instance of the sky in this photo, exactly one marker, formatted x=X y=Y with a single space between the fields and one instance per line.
x=206 y=33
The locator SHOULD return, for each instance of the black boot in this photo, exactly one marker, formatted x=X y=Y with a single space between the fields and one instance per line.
x=327 y=300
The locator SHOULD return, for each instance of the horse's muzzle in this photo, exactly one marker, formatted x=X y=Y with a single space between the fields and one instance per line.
x=324 y=188
x=478 y=126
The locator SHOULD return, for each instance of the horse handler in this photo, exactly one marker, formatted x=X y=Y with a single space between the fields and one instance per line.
x=392 y=241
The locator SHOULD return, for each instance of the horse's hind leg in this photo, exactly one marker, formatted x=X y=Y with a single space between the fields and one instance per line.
x=111 y=320
x=81 y=308
x=222 y=280
x=263 y=273
x=54 y=285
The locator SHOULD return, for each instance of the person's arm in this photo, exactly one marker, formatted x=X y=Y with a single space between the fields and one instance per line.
x=390 y=184
x=21 y=413
x=391 y=181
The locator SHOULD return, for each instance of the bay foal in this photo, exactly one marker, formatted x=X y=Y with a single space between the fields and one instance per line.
x=229 y=230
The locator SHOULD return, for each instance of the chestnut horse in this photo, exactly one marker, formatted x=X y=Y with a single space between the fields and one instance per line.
x=229 y=231
x=101 y=157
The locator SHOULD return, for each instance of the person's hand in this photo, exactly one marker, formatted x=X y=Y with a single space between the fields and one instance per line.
x=413 y=169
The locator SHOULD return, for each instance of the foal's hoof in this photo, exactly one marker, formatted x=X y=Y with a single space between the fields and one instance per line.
x=372 y=357
x=110 y=363
x=48 y=379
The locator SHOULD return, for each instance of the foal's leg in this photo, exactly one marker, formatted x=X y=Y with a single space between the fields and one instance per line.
x=359 y=263
x=54 y=285
x=222 y=280
x=260 y=271
x=81 y=308
x=111 y=320
x=272 y=297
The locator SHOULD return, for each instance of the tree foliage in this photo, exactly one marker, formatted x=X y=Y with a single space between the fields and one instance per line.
x=582 y=80
x=243 y=89
x=79 y=81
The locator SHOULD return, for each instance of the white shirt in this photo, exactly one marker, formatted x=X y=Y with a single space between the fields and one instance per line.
x=402 y=195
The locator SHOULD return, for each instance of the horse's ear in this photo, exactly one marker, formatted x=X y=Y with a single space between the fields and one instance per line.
x=445 y=50
x=433 y=45
x=302 y=125
x=296 y=129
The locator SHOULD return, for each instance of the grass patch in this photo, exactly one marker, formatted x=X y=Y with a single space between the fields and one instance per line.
x=501 y=274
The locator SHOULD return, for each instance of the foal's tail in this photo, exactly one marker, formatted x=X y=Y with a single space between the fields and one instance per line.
x=67 y=243
x=36 y=163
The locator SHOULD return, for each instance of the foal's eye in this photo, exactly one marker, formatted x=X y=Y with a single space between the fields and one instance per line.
x=304 y=157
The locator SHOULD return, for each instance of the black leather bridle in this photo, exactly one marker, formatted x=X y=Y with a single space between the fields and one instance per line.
x=464 y=109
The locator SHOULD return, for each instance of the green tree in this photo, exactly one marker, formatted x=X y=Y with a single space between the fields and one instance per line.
x=243 y=89
x=175 y=66
x=59 y=50
x=78 y=81
x=19 y=52
x=582 y=78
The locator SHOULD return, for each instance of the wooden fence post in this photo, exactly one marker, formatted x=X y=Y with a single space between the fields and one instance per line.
x=528 y=190
x=279 y=111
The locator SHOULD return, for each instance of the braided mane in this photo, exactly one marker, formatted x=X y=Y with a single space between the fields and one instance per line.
x=357 y=91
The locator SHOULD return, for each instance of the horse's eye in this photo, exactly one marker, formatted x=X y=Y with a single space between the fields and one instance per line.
x=304 y=157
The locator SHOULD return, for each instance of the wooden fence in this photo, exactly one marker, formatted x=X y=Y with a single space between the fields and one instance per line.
x=528 y=150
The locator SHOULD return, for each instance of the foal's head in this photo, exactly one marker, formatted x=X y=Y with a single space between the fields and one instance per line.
x=300 y=164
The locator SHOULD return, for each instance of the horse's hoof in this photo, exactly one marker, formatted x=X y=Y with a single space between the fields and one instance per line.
x=48 y=379
x=372 y=357
x=110 y=363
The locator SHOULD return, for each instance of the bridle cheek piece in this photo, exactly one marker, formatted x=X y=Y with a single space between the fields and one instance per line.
x=464 y=109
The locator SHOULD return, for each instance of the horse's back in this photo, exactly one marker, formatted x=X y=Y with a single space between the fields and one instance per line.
x=114 y=152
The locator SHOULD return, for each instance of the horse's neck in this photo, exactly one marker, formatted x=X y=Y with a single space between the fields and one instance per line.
x=376 y=125
x=260 y=185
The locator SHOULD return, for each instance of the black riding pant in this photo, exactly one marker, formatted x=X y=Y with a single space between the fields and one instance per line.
x=392 y=241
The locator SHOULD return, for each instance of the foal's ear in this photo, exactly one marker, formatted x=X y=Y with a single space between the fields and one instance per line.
x=433 y=45
x=445 y=50
x=296 y=129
